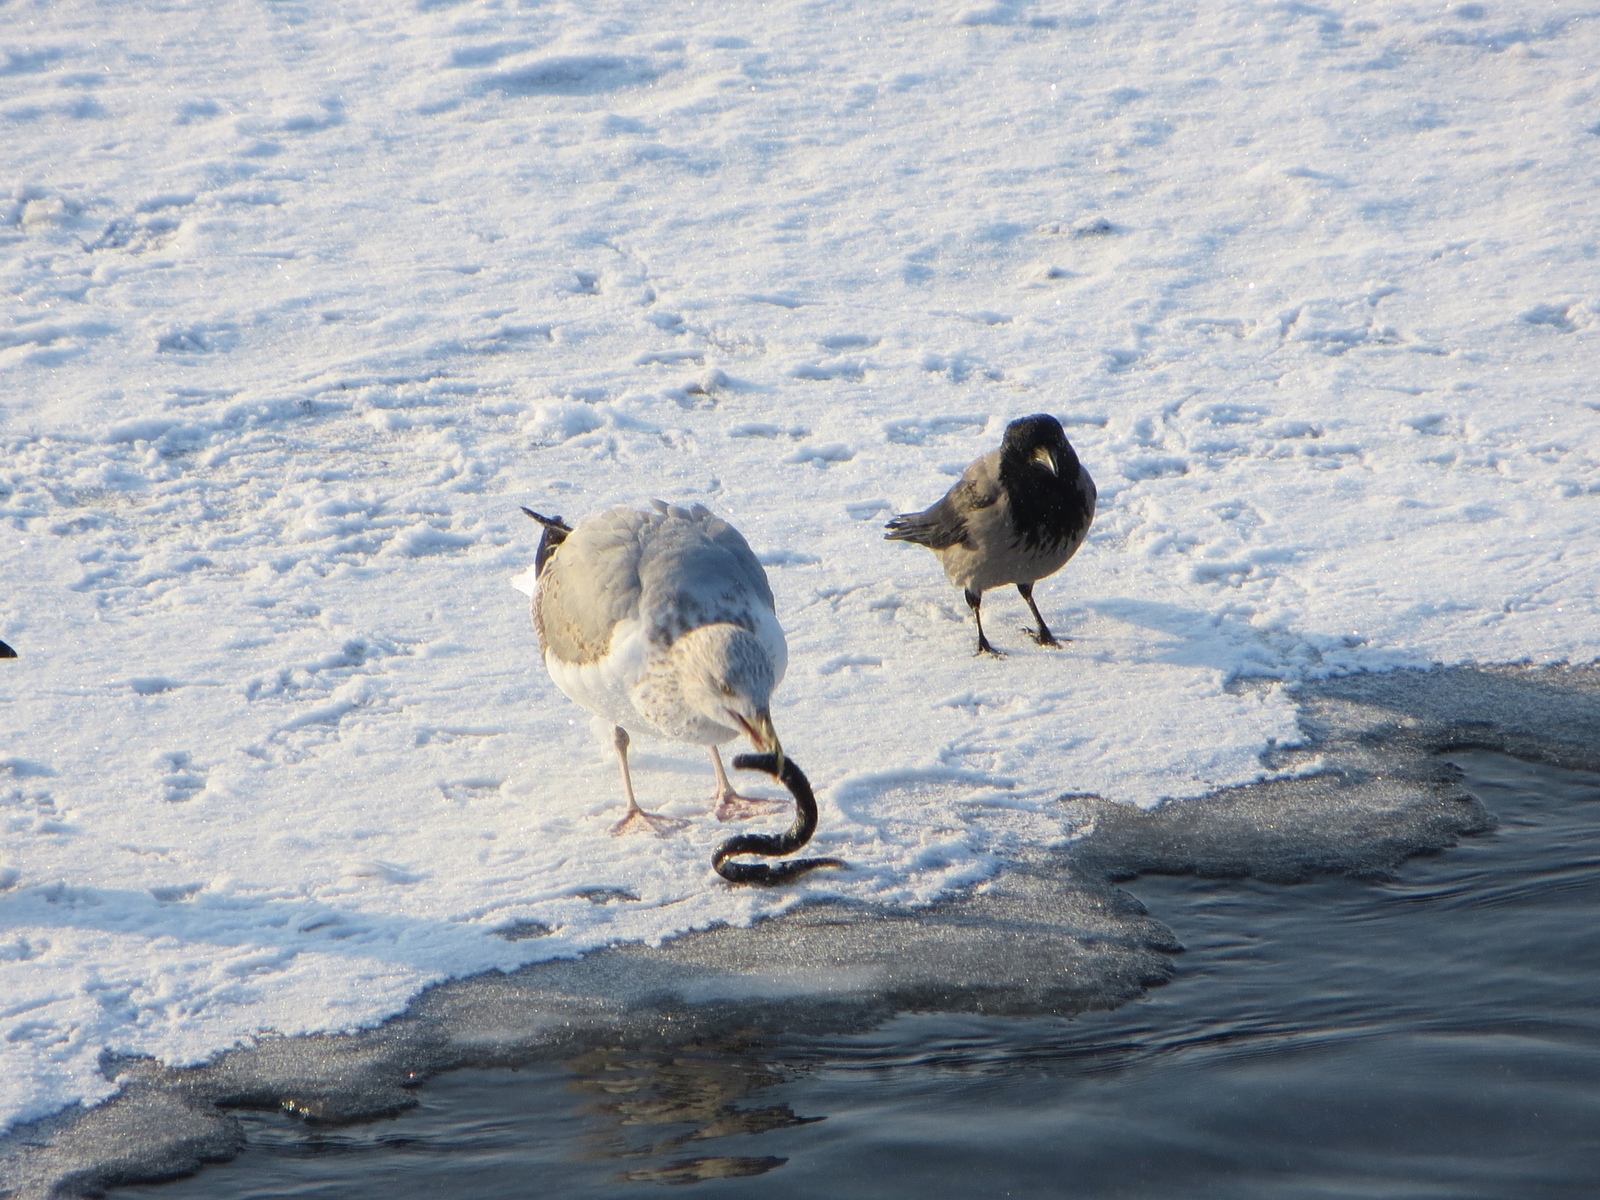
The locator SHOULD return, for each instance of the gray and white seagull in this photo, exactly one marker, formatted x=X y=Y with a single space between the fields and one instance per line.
x=660 y=621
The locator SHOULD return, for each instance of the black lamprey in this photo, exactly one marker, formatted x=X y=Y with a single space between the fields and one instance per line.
x=805 y=824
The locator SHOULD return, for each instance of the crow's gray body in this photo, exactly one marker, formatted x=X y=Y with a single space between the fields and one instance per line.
x=1017 y=515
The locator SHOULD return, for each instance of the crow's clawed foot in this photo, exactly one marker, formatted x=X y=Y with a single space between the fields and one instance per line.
x=731 y=806
x=637 y=821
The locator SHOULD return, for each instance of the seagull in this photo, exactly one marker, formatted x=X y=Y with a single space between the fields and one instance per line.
x=660 y=621
x=1018 y=514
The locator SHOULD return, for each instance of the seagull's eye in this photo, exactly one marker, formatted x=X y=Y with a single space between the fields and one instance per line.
x=727 y=689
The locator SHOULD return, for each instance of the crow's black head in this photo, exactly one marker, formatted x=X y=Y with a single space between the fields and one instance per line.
x=1035 y=457
x=1039 y=471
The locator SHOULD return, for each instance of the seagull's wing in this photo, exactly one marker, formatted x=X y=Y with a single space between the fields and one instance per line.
x=591 y=585
x=945 y=523
x=744 y=567
x=698 y=570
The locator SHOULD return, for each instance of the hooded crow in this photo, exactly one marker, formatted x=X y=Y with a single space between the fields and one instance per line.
x=1017 y=515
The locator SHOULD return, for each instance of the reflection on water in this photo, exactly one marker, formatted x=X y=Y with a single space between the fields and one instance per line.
x=658 y=1103
x=699 y=1170
x=1435 y=1034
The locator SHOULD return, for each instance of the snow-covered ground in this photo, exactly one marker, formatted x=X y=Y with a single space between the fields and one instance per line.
x=299 y=302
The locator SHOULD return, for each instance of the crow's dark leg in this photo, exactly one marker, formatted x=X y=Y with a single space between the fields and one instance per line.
x=1044 y=637
x=974 y=602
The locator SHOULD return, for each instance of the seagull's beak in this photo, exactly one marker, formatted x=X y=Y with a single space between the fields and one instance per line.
x=1043 y=456
x=762 y=736
x=765 y=738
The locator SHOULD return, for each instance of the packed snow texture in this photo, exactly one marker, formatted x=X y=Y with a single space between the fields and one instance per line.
x=299 y=302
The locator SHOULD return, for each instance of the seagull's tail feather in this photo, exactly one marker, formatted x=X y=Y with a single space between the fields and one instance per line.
x=554 y=522
x=6 y=651
x=555 y=532
x=805 y=824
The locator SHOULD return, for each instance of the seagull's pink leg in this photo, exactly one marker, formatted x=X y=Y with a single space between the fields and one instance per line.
x=636 y=817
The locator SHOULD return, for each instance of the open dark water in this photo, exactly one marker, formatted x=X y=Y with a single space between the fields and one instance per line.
x=1437 y=1035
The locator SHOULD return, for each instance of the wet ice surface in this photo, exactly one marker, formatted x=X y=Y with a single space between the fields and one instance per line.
x=1432 y=1033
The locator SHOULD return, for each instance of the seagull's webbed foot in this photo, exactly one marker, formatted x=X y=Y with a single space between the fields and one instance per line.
x=985 y=648
x=638 y=821
x=731 y=806
x=1043 y=637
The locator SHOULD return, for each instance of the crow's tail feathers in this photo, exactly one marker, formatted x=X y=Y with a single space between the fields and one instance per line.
x=935 y=527
x=910 y=527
